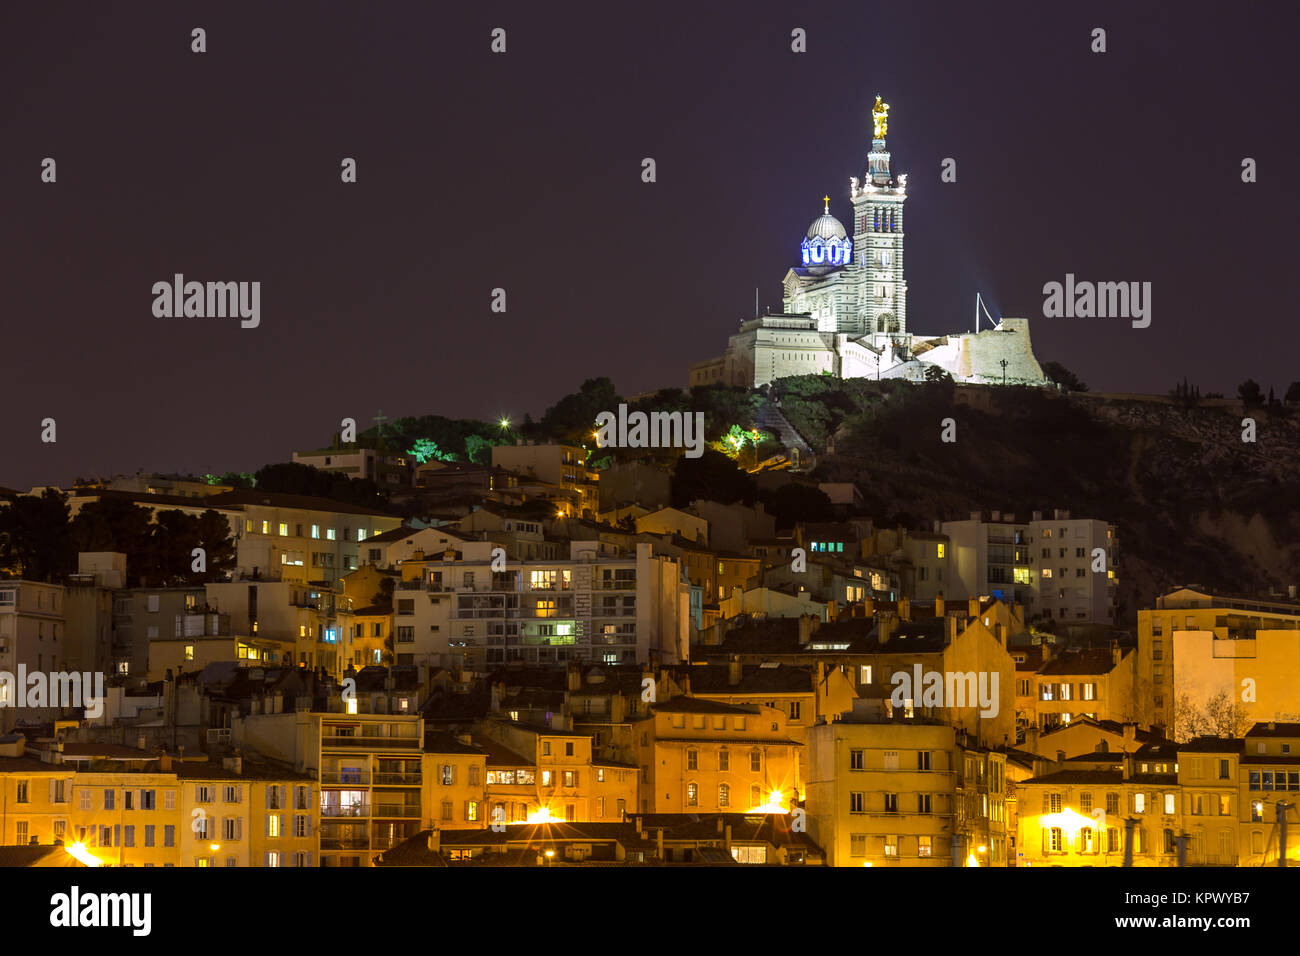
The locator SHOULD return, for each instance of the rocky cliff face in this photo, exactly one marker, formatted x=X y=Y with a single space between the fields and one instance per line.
x=1193 y=501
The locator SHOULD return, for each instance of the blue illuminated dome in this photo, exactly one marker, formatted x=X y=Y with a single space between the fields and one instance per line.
x=827 y=244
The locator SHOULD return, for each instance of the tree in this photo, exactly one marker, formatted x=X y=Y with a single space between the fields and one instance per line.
x=426 y=449
x=712 y=476
x=478 y=450
x=295 y=478
x=384 y=596
x=1292 y=393
x=1221 y=716
x=115 y=524
x=573 y=418
x=937 y=374
x=1063 y=377
x=35 y=538
x=797 y=502
x=174 y=538
x=218 y=545
x=1250 y=393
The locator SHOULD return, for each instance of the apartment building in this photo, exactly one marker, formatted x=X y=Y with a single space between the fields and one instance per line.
x=32 y=634
x=561 y=466
x=703 y=756
x=454 y=792
x=371 y=775
x=129 y=807
x=882 y=791
x=299 y=538
x=1099 y=683
x=595 y=606
x=1049 y=565
x=242 y=814
x=1195 y=645
x=286 y=622
x=1215 y=801
x=387 y=470
x=543 y=773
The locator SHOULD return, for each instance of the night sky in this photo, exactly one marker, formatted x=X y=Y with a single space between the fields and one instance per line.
x=522 y=171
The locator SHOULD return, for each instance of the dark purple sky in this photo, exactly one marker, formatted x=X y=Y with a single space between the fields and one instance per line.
x=523 y=171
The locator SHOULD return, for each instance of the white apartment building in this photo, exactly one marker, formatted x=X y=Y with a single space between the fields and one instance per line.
x=1045 y=564
x=595 y=605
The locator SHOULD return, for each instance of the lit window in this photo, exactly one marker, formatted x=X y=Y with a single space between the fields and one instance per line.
x=315 y=531
x=329 y=534
x=284 y=529
x=941 y=554
x=189 y=652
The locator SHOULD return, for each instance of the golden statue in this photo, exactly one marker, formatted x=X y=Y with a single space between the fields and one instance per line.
x=880 y=117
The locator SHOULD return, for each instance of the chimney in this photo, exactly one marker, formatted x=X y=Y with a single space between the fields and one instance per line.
x=575 y=676
x=995 y=516
x=435 y=840
x=952 y=627
x=140 y=742
x=465 y=739
x=496 y=696
x=885 y=627
x=973 y=607
x=1038 y=516
x=1130 y=732
x=726 y=839
x=1047 y=651
x=904 y=608
x=975 y=516
x=1114 y=653
x=1060 y=756
x=938 y=606
x=1031 y=739
x=640 y=825
x=734 y=670
x=1290 y=591
x=165 y=762
x=720 y=823
x=659 y=843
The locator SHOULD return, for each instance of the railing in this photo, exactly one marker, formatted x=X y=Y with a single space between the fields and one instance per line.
x=359 y=810
x=398 y=779
x=395 y=810
x=339 y=843
x=368 y=740
x=359 y=778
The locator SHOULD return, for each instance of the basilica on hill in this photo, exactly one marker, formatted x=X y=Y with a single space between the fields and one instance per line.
x=845 y=306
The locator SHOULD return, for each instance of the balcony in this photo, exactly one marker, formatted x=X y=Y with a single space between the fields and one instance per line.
x=343 y=843
x=395 y=810
x=398 y=779
x=354 y=811
x=371 y=741
x=357 y=778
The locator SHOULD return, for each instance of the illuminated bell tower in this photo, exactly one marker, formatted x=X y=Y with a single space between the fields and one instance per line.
x=878 y=238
